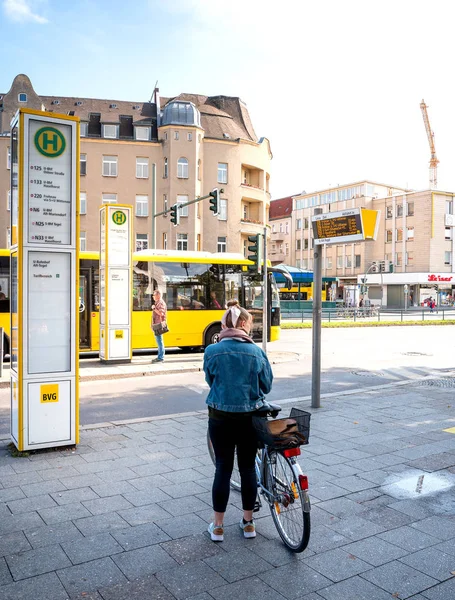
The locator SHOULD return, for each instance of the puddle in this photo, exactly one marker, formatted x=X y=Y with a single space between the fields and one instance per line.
x=417 y=485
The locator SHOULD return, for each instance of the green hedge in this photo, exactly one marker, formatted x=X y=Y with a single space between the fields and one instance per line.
x=341 y=324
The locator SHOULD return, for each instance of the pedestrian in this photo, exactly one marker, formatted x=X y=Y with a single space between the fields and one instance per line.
x=214 y=302
x=239 y=375
x=159 y=312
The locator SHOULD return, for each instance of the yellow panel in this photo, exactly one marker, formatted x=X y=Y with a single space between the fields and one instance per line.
x=49 y=393
x=370 y=223
x=450 y=430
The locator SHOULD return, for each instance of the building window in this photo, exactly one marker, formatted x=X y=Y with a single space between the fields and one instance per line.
x=142 y=168
x=190 y=137
x=165 y=169
x=398 y=259
x=142 y=133
x=84 y=129
x=388 y=235
x=358 y=260
x=182 y=168
x=388 y=212
x=298 y=224
x=83 y=164
x=110 y=132
x=410 y=209
x=329 y=262
x=245 y=213
x=8 y=158
x=348 y=261
x=22 y=97
x=399 y=210
x=410 y=234
x=222 y=215
x=142 y=206
x=142 y=242
x=305 y=223
x=110 y=166
x=286 y=227
x=399 y=235
x=8 y=237
x=448 y=233
x=176 y=135
x=281 y=227
x=449 y=207
x=221 y=245
x=182 y=241
x=199 y=170
x=165 y=136
x=339 y=262
x=447 y=258
x=298 y=244
x=164 y=241
x=83 y=203
x=409 y=257
x=82 y=241
x=109 y=198
x=222 y=173
x=305 y=244
x=183 y=210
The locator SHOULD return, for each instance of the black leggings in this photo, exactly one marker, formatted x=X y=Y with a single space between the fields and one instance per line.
x=226 y=434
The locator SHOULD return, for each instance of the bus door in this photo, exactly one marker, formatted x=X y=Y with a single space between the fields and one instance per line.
x=84 y=308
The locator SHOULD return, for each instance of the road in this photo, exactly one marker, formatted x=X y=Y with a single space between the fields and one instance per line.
x=352 y=358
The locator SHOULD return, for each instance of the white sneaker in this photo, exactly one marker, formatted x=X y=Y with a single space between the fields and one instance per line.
x=249 y=529
x=216 y=532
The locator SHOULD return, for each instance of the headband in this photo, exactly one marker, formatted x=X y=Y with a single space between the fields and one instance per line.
x=235 y=314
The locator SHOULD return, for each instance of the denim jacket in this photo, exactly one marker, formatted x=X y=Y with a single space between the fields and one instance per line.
x=239 y=375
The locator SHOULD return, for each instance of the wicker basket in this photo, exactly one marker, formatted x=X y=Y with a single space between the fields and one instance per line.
x=284 y=433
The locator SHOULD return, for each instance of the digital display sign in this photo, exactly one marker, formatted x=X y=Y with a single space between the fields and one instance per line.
x=338 y=227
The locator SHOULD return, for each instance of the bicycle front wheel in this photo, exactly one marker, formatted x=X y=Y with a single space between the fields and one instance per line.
x=235 y=477
x=287 y=502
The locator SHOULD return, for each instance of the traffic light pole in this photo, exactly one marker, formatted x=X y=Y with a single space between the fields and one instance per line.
x=317 y=321
x=265 y=303
x=165 y=212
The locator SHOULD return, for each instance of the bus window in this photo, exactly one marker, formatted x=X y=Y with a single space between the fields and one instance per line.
x=4 y=284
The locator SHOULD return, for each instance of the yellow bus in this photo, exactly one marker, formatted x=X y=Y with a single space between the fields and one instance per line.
x=306 y=292
x=196 y=287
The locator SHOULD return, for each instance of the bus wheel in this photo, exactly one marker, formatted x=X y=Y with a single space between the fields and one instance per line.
x=211 y=337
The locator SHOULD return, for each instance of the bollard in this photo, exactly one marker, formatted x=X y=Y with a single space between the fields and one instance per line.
x=1 y=351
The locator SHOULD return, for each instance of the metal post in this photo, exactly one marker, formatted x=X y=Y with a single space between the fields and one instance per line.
x=265 y=312
x=317 y=313
x=153 y=244
x=1 y=351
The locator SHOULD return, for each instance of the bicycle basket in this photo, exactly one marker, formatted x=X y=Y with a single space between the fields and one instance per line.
x=284 y=433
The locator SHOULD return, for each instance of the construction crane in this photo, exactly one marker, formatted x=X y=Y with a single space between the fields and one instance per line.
x=433 y=160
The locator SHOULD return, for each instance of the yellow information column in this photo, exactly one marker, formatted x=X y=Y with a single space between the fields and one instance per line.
x=44 y=280
x=116 y=283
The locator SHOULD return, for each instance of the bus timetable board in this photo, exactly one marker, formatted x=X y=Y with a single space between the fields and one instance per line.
x=353 y=225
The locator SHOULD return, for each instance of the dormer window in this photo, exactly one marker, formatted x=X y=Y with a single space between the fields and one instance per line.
x=110 y=131
x=136 y=107
x=79 y=103
x=55 y=102
x=142 y=133
x=22 y=97
x=112 y=105
x=84 y=129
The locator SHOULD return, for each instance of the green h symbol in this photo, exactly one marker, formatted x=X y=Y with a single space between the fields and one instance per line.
x=47 y=141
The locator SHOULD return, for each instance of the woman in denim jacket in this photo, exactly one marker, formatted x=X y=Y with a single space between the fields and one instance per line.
x=239 y=375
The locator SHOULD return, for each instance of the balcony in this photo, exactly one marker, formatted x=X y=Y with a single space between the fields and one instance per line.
x=251 y=227
x=253 y=193
x=278 y=236
x=277 y=258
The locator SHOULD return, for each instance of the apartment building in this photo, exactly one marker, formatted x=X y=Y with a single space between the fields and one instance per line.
x=281 y=238
x=415 y=241
x=192 y=142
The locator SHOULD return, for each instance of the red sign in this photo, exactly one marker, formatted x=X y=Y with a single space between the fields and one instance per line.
x=439 y=278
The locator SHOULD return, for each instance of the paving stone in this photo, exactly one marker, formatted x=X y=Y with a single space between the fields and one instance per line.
x=448 y=547
x=144 y=497
x=150 y=483
x=43 y=587
x=105 y=505
x=355 y=483
x=188 y=488
x=68 y=512
x=114 y=488
x=24 y=465
x=140 y=536
x=145 y=588
x=143 y=561
x=247 y=589
x=440 y=527
x=408 y=538
x=432 y=562
x=375 y=551
x=188 y=580
x=179 y=527
x=182 y=506
x=324 y=538
x=187 y=475
x=276 y=553
x=91 y=548
x=443 y=591
x=20 y=479
x=191 y=548
x=44 y=487
x=37 y=562
x=341 y=506
x=387 y=517
x=436 y=462
x=355 y=528
x=100 y=524
x=31 y=504
x=58 y=473
x=355 y=588
x=9 y=494
x=13 y=542
x=237 y=565
x=416 y=508
x=144 y=514
x=5 y=575
x=326 y=490
x=397 y=578
x=337 y=564
x=294 y=580
x=11 y=523
x=80 y=481
x=90 y=576
x=48 y=535
x=72 y=496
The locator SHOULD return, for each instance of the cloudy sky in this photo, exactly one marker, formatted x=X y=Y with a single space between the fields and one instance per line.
x=335 y=85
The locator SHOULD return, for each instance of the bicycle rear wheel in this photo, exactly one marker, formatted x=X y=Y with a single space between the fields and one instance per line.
x=235 y=477
x=287 y=502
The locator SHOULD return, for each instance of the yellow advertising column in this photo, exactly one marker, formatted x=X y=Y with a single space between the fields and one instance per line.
x=116 y=283
x=44 y=279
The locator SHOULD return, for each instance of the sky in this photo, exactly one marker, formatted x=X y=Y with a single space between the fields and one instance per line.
x=334 y=85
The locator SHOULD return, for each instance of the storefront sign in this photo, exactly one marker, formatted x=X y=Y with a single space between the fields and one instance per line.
x=439 y=278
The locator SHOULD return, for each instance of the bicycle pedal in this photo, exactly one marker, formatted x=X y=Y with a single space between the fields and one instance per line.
x=257 y=506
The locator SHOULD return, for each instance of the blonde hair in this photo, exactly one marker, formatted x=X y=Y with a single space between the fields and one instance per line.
x=230 y=317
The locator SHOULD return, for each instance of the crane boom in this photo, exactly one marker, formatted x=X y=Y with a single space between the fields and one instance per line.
x=430 y=135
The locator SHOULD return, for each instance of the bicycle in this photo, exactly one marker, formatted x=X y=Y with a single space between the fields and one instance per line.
x=281 y=481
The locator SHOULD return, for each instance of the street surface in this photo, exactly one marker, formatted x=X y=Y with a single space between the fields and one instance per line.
x=351 y=358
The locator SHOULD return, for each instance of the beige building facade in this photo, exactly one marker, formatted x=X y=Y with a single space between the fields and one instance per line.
x=412 y=258
x=193 y=143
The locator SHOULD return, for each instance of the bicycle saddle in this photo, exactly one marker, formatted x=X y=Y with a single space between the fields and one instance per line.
x=269 y=409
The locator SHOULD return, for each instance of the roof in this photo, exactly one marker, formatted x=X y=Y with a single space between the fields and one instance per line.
x=280 y=208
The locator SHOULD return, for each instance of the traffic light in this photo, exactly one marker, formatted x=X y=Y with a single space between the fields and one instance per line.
x=215 y=201
x=390 y=266
x=175 y=215
x=255 y=247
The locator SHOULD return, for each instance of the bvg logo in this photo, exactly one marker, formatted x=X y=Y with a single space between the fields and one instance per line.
x=50 y=142
x=49 y=393
x=119 y=217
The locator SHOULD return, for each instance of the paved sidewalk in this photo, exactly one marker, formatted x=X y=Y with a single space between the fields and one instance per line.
x=124 y=516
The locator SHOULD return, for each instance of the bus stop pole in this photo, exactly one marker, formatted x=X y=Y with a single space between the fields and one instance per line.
x=265 y=303
x=317 y=318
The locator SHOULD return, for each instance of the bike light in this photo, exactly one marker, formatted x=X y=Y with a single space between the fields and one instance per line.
x=291 y=452
x=303 y=480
